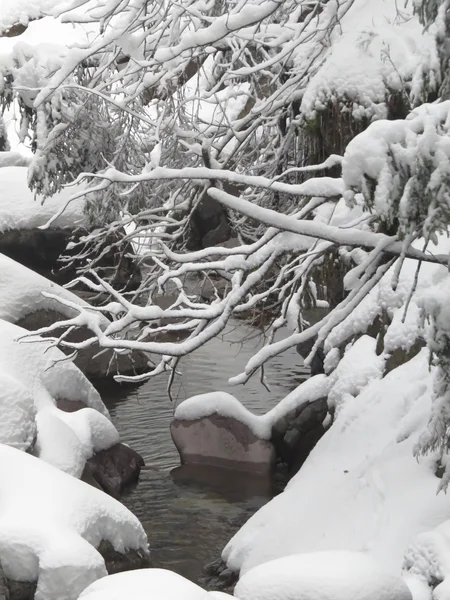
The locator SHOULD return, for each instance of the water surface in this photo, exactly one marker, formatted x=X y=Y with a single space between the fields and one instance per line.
x=189 y=514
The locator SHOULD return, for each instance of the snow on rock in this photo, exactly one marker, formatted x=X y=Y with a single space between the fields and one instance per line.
x=361 y=488
x=22 y=293
x=51 y=525
x=226 y=405
x=321 y=576
x=142 y=584
x=20 y=209
x=33 y=376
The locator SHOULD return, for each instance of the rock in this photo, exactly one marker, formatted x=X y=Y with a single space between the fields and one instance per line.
x=222 y=442
x=110 y=470
x=209 y=225
x=117 y=562
x=296 y=434
x=400 y=356
x=114 y=469
x=20 y=590
x=4 y=594
x=37 y=249
x=93 y=362
x=217 y=576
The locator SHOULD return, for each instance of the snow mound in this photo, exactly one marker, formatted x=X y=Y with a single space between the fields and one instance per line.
x=361 y=488
x=17 y=410
x=51 y=525
x=20 y=209
x=321 y=576
x=157 y=584
x=28 y=397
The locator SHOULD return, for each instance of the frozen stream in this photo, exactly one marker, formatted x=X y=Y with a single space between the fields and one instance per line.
x=188 y=514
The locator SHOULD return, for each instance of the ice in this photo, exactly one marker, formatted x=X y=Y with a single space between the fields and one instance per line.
x=321 y=576
x=51 y=525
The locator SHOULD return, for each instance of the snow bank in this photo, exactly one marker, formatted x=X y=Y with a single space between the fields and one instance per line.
x=29 y=417
x=19 y=209
x=361 y=489
x=158 y=584
x=321 y=576
x=51 y=523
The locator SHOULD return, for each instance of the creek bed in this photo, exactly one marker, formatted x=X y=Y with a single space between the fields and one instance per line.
x=189 y=514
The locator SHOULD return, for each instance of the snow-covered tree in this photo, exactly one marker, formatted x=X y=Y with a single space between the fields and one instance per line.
x=320 y=127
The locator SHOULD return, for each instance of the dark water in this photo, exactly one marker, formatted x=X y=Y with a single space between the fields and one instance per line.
x=189 y=514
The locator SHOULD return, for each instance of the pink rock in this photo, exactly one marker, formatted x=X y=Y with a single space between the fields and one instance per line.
x=222 y=442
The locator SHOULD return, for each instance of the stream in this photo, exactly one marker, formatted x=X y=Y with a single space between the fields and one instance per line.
x=190 y=513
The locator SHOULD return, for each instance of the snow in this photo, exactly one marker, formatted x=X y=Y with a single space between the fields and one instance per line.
x=23 y=11
x=226 y=405
x=158 y=584
x=51 y=525
x=361 y=488
x=321 y=576
x=22 y=293
x=19 y=209
x=376 y=51
x=28 y=411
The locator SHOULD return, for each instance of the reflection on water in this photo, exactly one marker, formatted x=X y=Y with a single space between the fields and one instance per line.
x=190 y=514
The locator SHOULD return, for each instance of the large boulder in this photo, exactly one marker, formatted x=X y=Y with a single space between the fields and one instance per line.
x=114 y=469
x=222 y=441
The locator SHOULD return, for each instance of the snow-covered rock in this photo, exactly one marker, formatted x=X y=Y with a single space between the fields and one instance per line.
x=216 y=429
x=22 y=292
x=51 y=525
x=34 y=376
x=321 y=576
x=158 y=584
x=24 y=300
